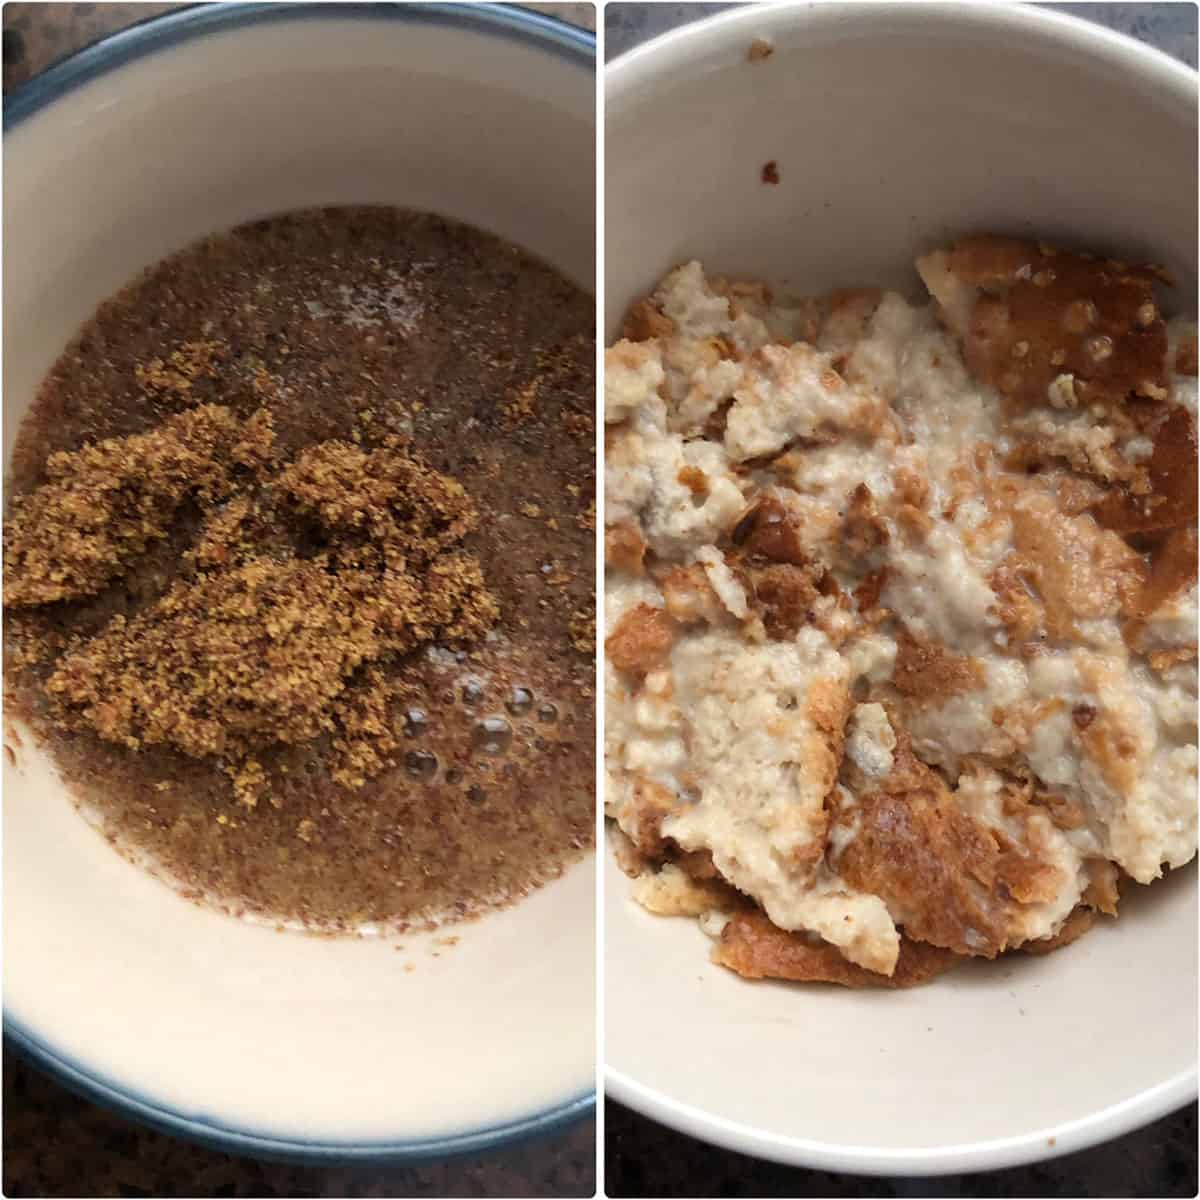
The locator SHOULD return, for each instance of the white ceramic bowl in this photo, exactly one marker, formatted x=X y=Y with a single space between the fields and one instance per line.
x=896 y=126
x=285 y=1045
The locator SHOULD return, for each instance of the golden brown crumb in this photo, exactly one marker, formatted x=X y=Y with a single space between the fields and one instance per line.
x=582 y=630
x=175 y=375
x=863 y=530
x=928 y=672
x=783 y=595
x=772 y=531
x=386 y=495
x=624 y=549
x=521 y=401
x=104 y=504
x=760 y=50
x=256 y=650
x=641 y=641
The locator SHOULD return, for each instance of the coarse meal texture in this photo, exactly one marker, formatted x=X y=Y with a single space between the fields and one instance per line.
x=298 y=570
x=901 y=610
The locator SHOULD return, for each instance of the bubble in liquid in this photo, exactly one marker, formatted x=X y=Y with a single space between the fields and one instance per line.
x=420 y=764
x=493 y=735
x=416 y=721
x=519 y=702
x=476 y=794
x=453 y=775
x=547 y=713
x=472 y=691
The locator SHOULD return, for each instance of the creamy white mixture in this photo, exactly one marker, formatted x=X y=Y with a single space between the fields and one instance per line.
x=740 y=740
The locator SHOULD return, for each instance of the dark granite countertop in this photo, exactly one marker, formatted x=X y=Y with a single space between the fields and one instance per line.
x=56 y=1144
x=643 y=1158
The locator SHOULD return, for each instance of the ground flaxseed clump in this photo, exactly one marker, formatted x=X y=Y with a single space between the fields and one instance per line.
x=257 y=651
x=102 y=505
x=270 y=596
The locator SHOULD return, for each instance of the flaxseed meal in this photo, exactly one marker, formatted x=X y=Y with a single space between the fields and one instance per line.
x=901 y=610
x=298 y=570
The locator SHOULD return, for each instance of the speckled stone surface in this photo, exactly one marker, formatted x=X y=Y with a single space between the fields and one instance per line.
x=56 y=1144
x=643 y=1158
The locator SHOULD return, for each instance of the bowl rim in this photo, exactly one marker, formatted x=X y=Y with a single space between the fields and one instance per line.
x=147 y=37
x=689 y=43
x=678 y=52
x=197 y=19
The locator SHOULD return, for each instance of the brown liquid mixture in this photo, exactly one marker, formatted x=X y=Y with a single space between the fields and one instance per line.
x=434 y=749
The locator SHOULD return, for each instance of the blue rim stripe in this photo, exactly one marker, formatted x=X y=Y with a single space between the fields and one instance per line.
x=183 y=25
x=138 y=41
x=130 y=1104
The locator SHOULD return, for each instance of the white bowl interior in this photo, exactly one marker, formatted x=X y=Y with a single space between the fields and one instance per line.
x=895 y=127
x=222 y=1021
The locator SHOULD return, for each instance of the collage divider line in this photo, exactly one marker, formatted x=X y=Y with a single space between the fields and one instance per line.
x=599 y=673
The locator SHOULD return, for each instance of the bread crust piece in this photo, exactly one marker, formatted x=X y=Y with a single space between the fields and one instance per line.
x=1073 y=928
x=755 y=949
x=1171 y=501
x=946 y=878
x=1029 y=315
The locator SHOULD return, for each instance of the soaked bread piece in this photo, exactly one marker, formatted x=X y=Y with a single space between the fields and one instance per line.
x=1078 y=570
x=930 y=679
